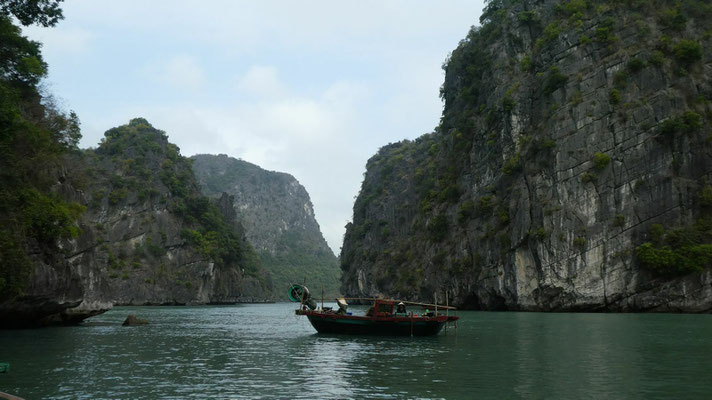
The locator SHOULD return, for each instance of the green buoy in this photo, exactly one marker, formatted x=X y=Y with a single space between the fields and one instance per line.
x=4 y=367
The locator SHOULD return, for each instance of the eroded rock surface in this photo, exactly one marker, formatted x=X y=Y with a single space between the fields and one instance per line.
x=570 y=129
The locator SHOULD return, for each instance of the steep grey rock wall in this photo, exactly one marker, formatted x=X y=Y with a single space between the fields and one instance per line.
x=148 y=236
x=279 y=220
x=146 y=233
x=570 y=129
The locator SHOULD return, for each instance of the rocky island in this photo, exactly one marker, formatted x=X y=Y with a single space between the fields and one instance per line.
x=571 y=170
x=279 y=221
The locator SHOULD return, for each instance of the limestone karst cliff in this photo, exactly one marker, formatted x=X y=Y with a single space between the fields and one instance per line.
x=279 y=220
x=147 y=236
x=571 y=169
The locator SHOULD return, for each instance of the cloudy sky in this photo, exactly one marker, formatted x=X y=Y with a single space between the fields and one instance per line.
x=311 y=88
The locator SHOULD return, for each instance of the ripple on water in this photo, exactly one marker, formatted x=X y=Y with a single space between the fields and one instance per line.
x=265 y=352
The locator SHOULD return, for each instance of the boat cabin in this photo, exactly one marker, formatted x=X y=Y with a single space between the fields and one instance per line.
x=383 y=308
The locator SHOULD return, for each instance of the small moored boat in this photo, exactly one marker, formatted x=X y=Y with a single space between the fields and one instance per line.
x=385 y=316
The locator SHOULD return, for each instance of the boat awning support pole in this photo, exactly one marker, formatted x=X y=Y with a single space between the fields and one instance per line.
x=411 y=324
x=436 y=304
x=447 y=311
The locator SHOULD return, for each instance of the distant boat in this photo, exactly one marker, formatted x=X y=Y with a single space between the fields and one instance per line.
x=385 y=317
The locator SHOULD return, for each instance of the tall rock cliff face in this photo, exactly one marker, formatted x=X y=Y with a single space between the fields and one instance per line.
x=279 y=220
x=151 y=237
x=147 y=236
x=571 y=169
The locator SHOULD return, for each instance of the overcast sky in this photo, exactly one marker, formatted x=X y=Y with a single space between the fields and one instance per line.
x=311 y=88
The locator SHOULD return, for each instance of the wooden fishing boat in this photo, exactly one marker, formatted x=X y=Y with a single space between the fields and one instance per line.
x=385 y=317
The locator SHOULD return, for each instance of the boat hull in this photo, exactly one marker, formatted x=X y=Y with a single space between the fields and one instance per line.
x=383 y=326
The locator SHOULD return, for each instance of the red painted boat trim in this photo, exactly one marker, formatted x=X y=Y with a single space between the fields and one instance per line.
x=414 y=318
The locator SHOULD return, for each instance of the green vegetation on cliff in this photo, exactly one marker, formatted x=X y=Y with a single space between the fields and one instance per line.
x=135 y=163
x=681 y=250
x=35 y=136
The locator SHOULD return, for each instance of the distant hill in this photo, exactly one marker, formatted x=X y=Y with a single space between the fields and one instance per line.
x=279 y=221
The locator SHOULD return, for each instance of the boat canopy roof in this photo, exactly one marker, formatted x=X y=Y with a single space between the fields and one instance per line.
x=374 y=299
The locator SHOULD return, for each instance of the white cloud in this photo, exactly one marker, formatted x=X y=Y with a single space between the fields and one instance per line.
x=261 y=82
x=181 y=72
x=345 y=95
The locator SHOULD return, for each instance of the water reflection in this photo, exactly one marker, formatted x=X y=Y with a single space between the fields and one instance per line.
x=264 y=351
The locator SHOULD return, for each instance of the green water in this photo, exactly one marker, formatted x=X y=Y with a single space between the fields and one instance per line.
x=264 y=351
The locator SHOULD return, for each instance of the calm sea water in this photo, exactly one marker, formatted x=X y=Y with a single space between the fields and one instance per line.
x=266 y=352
